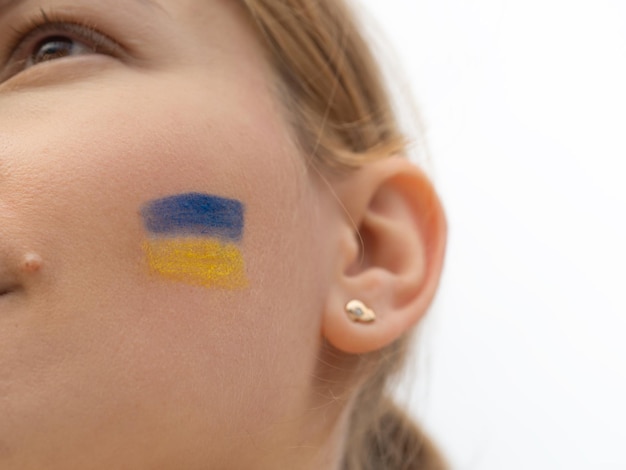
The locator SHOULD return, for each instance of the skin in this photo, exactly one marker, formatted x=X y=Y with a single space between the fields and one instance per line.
x=99 y=360
x=105 y=365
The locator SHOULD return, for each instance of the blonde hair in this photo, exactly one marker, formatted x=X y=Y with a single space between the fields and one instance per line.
x=335 y=99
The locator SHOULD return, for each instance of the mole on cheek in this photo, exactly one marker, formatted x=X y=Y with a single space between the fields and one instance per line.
x=32 y=263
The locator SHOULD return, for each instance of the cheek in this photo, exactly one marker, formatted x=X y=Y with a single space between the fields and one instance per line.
x=112 y=324
x=98 y=167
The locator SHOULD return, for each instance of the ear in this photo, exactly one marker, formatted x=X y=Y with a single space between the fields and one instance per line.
x=390 y=254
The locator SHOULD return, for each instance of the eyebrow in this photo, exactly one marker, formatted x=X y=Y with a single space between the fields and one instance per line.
x=8 y=4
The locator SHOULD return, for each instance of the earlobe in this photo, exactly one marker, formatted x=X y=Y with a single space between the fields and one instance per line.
x=396 y=269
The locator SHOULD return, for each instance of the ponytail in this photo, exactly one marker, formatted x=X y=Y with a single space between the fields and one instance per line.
x=389 y=440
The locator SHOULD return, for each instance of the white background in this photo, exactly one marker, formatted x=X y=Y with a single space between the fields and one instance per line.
x=522 y=361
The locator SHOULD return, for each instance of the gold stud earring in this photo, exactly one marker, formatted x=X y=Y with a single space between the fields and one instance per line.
x=359 y=312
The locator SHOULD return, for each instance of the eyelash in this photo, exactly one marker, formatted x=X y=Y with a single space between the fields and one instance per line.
x=25 y=39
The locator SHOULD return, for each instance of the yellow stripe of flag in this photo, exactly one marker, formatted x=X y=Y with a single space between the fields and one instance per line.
x=201 y=261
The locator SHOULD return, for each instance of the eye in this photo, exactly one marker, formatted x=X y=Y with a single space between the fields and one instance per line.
x=57 y=47
x=46 y=40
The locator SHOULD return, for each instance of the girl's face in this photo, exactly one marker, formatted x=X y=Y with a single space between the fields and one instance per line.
x=162 y=261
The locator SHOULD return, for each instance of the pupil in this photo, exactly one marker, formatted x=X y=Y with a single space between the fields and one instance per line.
x=53 y=48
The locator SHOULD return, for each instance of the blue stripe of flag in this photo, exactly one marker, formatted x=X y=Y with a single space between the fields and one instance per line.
x=195 y=214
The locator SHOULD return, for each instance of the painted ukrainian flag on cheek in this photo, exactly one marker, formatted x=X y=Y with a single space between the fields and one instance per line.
x=194 y=238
